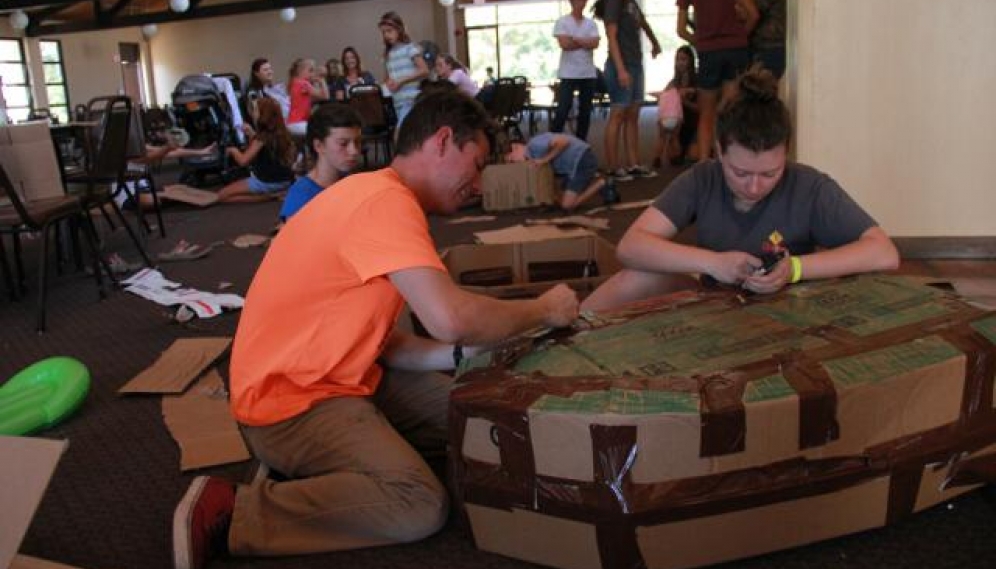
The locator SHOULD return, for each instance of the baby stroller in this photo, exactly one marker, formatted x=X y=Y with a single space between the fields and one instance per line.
x=200 y=109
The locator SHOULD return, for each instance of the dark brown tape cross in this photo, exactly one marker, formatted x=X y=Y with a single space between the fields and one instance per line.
x=724 y=421
x=817 y=398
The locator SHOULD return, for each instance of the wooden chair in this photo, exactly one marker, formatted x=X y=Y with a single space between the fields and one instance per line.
x=368 y=102
x=42 y=216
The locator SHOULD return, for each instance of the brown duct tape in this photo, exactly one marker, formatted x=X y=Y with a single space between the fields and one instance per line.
x=724 y=420
x=977 y=401
x=976 y=470
x=817 y=398
x=617 y=543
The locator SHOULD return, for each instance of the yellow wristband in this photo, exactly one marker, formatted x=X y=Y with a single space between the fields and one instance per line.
x=796 y=270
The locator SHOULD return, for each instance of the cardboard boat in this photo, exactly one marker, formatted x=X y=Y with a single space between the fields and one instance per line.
x=705 y=426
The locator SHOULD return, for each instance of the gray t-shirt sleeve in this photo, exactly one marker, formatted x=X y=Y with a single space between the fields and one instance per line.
x=836 y=219
x=679 y=201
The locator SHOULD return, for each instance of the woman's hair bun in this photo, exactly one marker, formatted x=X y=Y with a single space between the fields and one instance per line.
x=758 y=84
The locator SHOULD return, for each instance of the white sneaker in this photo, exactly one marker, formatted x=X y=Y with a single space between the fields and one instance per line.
x=641 y=172
x=621 y=175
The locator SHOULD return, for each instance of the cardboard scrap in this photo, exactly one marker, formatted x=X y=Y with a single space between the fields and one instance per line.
x=188 y=195
x=250 y=240
x=977 y=291
x=27 y=466
x=522 y=233
x=471 y=219
x=620 y=206
x=150 y=284
x=178 y=366
x=598 y=223
x=201 y=424
x=28 y=562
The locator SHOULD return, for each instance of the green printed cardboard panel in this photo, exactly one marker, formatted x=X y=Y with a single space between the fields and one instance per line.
x=862 y=305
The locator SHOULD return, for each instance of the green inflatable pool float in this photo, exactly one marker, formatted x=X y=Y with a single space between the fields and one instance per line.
x=42 y=394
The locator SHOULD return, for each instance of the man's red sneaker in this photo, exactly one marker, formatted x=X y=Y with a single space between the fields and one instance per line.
x=201 y=522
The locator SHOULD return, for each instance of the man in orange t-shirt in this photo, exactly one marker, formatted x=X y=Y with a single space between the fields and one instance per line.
x=329 y=392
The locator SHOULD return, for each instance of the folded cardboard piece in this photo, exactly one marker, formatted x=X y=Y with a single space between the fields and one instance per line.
x=705 y=427
x=201 y=424
x=524 y=270
x=516 y=185
x=27 y=466
x=27 y=154
x=188 y=195
x=183 y=362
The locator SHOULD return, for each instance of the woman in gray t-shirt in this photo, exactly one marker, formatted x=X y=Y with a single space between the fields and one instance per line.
x=761 y=222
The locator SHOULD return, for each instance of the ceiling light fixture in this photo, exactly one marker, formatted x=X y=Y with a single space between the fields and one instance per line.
x=179 y=5
x=19 y=20
x=288 y=14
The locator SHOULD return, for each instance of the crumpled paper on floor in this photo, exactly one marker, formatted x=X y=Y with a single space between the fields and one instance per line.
x=150 y=284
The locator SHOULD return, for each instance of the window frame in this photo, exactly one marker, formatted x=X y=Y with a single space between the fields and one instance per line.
x=63 y=84
x=20 y=112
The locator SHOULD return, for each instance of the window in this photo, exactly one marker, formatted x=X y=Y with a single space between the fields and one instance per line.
x=55 y=79
x=516 y=38
x=14 y=74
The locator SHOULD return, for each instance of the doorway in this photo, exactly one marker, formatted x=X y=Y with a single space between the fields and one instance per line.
x=131 y=71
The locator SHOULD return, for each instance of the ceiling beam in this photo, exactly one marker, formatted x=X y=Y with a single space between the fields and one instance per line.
x=195 y=12
x=15 y=4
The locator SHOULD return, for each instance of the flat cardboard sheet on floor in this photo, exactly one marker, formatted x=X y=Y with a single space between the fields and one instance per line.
x=523 y=233
x=178 y=366
x=188 y=195
x=201 y=424
x=25 y=470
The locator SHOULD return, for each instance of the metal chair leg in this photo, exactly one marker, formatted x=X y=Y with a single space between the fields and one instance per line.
x=97 y=260
x=8 y=276
x=42 y=277
x=157 y=205
x=131 y=233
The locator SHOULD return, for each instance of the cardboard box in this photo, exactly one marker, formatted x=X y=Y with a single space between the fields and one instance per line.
x=27 y=154
x=516 y=185
x=525 y=270
x=702 y=427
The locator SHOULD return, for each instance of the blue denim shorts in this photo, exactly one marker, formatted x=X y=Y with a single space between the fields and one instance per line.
x=584 y=173
x=258 y=186
x=618 y=96
x=720 y=66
